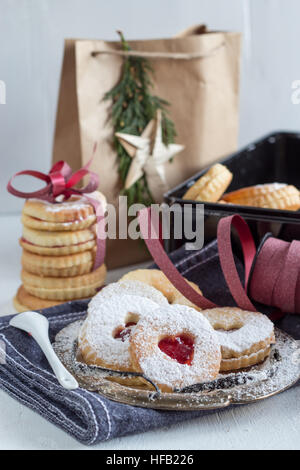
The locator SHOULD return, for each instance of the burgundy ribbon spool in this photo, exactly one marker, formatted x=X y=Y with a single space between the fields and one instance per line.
x=275 y=279
x=272 y=273
x=60 y=181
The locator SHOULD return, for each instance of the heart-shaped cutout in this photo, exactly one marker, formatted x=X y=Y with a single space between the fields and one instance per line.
x=180 y=348
x=124 y=333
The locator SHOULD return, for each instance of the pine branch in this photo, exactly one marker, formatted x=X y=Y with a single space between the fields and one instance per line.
x=133 y=106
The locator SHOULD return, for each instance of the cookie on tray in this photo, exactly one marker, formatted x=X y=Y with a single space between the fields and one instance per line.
x=271 y=196
x=211 y=186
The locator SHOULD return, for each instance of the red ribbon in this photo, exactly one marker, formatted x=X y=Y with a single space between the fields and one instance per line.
x=272 y=276
x=60 y=181
x=238 y=291
x=276 y=275
x=165 y=264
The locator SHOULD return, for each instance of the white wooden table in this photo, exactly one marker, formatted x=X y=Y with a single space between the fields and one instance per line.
x=271 y=424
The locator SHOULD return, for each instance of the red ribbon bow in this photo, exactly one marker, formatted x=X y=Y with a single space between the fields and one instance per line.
x=60 y=181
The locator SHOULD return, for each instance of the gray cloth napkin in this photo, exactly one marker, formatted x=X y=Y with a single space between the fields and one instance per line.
x=88 y=416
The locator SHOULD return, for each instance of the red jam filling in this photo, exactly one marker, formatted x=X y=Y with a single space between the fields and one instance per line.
x=124 y=333
x=64 y=222
x=180 y=348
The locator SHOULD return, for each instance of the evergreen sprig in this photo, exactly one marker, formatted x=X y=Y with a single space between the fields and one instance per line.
x=133 y=106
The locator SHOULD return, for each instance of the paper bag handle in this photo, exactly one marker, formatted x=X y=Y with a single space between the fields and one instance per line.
x=162 y=55
x=194 y=30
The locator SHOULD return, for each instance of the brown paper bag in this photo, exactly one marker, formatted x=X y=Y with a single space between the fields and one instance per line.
x=197 y=72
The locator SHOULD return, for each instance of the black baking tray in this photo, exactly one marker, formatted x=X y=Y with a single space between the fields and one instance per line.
x=274 y=158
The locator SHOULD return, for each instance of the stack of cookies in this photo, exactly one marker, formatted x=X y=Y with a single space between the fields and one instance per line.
x=59 y=247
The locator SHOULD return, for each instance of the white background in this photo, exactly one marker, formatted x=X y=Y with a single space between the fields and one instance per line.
x=31 y=47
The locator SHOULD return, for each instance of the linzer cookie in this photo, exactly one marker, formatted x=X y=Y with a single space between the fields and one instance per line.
x=245 y=337
x=68 y=288
x=132 y=328
x=58 y=266
x=104 y=336
x=272 y=196
x=57 y=239
x=56 y=282
x=252 y=192
x=175 y=347
x=75 y=214
x=59 y=249
x=243 y=362
x=63 y=237
x=128 y=288
x=75 y=209
x=38 y=224
x=57 y=243
x=158 y=280
x=24 y=301
x=211 y=186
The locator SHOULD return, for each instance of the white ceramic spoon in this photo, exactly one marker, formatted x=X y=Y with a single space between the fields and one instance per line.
x=38 y=326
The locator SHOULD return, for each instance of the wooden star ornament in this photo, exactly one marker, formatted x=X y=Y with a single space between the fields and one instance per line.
x=149 y=154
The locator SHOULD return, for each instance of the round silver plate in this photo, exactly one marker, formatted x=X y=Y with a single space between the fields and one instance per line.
x=278 y=373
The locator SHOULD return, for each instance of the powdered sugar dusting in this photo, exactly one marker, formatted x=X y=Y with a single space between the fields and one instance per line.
x=272 y=186
x=104 y=316
x=172 y=321
x=127 y=288
x=74 y=203
x=77 y=221
x=275 y=374
x=249 y=328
